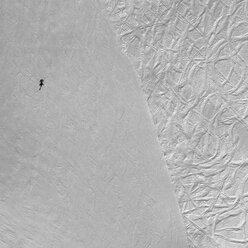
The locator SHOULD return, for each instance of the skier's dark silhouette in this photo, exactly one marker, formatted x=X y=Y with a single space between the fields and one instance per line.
x=41 y=83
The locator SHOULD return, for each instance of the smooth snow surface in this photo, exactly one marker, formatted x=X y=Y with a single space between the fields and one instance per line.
x=80 y=165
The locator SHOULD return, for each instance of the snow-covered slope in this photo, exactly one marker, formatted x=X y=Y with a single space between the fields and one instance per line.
x=80 y=166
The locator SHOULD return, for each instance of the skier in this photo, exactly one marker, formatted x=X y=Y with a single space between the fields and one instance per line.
x=41 y=83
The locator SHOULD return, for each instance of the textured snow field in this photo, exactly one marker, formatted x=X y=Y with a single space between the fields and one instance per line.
x=191 y=58
x=80 y=164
